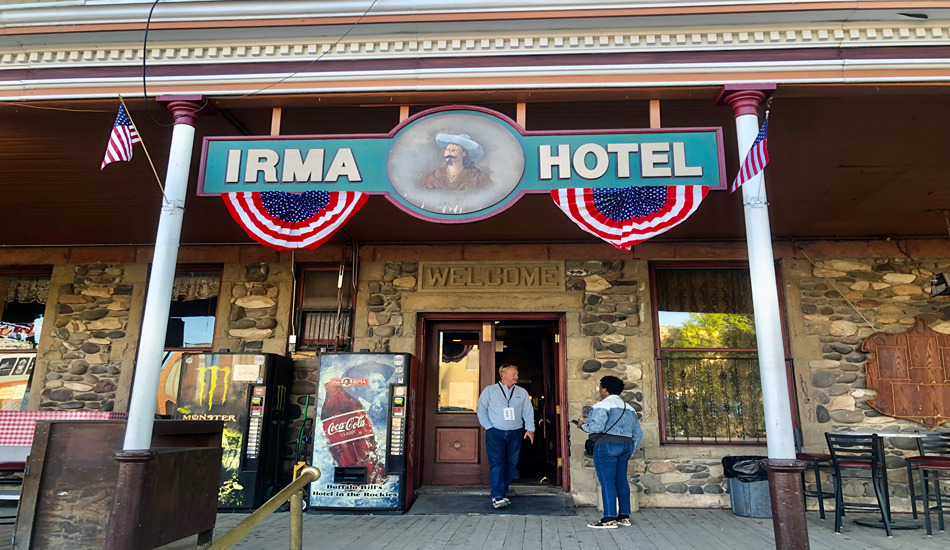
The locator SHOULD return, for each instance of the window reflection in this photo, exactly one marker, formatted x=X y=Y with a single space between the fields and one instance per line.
x=458 y=371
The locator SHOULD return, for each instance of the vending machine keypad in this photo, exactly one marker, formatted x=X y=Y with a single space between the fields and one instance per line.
x=397 y=427
x=255 y=422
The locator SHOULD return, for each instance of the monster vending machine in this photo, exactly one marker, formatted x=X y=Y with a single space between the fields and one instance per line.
x=363 y=445
x=248 y=392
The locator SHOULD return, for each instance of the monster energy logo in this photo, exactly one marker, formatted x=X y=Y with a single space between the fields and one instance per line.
x=212 y=383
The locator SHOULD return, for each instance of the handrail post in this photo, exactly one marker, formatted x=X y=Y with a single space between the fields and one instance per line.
x=305 y=475
x=296 y=521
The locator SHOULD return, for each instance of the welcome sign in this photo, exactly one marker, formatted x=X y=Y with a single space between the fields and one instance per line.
x=459 y=164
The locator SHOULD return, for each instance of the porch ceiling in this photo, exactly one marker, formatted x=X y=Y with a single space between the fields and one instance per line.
x=846 y=163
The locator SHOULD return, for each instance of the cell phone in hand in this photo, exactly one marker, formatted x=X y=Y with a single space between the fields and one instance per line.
x=574 y=422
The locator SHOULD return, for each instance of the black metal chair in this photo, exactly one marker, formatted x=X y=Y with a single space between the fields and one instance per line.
x=859 y=457
x=934 y=458
x=813 y=463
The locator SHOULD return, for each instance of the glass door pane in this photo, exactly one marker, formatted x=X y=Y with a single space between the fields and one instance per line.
x=458 y=371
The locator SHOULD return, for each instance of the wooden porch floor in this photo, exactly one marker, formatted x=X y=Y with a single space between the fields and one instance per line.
x=653 y=529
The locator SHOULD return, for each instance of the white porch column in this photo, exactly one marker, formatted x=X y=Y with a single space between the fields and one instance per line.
x=785 y=490
x=768 y=325
x=148 y=365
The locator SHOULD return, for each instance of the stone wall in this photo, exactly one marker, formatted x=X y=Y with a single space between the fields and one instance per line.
x=90 y=338
x=840 y=303
x=254 y=308
x=609 y=332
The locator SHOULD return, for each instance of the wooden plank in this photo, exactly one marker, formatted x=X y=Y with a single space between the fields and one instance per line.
x=377 y=527
x=652 y=528
x=464 y=532
x=585 y=535
x=515 y=536
x=550 y=534
x=407 y=531
x=532 y=533
x=566 y=534
x=442 y=537
x=480 y=536
x=654 y=113
x=498 y=532
x=681 y=534
x=433 y=524
x=637 y=537
x=723 y=531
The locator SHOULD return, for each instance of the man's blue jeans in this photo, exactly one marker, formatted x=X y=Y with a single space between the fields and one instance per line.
x=504 y=447
x=610 y=463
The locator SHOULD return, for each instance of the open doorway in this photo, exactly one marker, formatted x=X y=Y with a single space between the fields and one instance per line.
x=529 y=346
x=460 y=357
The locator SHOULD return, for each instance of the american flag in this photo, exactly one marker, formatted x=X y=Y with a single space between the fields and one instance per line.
x=627 y=216
x=757 y=158
x=288 y=221
x=121 y=140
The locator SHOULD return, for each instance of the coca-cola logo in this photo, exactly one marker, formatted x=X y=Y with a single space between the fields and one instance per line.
x=351 y=423
x=347 y=382
x=347 y=427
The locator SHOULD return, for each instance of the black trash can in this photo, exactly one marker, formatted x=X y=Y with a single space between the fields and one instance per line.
x=748 y=486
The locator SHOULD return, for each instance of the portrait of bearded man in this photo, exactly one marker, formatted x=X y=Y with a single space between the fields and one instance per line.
x=459 y=172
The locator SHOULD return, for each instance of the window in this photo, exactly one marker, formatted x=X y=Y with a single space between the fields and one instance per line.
x=706 y=355
x=325 y=318
x=23 y=305
x=191 y=313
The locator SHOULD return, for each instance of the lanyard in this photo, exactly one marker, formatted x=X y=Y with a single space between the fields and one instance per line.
x=509 y=395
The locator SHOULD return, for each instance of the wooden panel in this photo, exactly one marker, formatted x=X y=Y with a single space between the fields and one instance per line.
x=457 y=445
x=908 y=371
x=68 y=491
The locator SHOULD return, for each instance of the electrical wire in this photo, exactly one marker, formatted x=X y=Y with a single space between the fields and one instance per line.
x=148 y=23
x=322 y=54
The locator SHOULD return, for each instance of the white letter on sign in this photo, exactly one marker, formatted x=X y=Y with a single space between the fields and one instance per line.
x=343 y=165
x=233 y=172
x=623 y=151
x=303 y=171
x=261 y=160
x=651 y=154
x=562 y=160
x=679 y=162
x=601 y=163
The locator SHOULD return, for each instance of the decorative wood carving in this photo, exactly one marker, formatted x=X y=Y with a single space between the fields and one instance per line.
x=457 y=445
x=910 y=371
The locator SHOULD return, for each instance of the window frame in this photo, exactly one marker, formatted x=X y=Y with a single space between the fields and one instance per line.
x=299 y=311
x=657 y=349
x=17 y=270
x=198 y=268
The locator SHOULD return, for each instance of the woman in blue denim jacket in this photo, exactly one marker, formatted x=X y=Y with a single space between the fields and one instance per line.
x=616 y=428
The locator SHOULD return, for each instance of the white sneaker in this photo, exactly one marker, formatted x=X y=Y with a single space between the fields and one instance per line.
x=499 y=502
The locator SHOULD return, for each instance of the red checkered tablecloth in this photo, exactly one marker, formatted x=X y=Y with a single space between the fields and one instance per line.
x=16 y=427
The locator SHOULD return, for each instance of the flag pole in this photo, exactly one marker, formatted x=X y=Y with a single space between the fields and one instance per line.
x=144 y=148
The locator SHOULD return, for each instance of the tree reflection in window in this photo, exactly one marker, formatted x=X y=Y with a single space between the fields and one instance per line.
x=707 y=357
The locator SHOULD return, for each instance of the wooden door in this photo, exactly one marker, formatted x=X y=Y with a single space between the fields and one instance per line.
x=459 y=362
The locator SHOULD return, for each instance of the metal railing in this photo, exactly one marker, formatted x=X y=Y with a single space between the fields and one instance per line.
x=292 y=493
x=712 y=397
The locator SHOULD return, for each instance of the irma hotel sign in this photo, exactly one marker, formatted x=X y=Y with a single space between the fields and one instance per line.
x=460 y=164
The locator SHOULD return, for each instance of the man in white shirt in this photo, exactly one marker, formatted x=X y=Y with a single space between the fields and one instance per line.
x=505 y=411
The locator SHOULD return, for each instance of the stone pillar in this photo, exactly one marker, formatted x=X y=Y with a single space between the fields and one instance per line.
x=788 y=507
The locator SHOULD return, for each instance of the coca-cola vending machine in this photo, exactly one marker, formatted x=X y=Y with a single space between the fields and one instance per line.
x=363 y=444
x=248 y=392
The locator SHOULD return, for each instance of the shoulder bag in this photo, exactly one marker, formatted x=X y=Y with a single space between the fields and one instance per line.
x=592 y=438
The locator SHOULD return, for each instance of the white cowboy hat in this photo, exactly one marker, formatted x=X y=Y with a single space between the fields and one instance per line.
x=473 y=149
